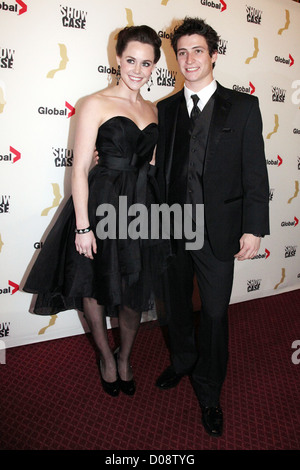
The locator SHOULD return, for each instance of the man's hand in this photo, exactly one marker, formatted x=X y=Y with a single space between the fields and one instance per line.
x=249 y=246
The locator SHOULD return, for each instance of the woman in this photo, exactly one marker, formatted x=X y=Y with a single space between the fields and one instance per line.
x=113 y=275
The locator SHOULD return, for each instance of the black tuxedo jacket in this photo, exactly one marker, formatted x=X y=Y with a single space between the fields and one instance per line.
x=235 y=180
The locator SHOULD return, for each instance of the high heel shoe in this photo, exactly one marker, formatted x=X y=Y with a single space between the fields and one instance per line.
x=126 y=386
x=112 y=388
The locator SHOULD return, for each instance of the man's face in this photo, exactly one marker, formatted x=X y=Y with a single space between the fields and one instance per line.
x=194 y=61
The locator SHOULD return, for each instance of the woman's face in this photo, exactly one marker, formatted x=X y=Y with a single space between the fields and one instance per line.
x=136 y=64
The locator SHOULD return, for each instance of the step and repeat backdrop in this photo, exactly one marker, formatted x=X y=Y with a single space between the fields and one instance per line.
x=55 y=52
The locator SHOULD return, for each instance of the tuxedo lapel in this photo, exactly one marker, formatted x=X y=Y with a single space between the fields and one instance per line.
x=221 y=109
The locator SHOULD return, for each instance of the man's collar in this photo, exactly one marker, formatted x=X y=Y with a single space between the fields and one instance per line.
x=203 y=94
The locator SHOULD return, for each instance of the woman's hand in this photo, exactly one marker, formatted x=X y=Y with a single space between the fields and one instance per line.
x=86 y=244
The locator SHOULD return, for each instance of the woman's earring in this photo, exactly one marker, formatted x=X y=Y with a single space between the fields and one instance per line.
x=118 y=75
x=149 y=84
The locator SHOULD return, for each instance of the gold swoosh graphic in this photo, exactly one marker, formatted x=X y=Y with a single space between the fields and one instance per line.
x=1 y=243
x=287 y=22
x=2 y=100
x=63 y=62
x=129 y=17
x=51 y=323
x=256 y=50
x=275 y=127
x=282 y=278
x=57 y=198
x=164 y=2
x=295 y=193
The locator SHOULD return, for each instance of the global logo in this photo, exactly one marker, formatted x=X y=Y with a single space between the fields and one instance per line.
x=12 y=288
x=108 y=70
x=219 y=6
x=264 y=255
x=14 y=8
x=9 y=157
x=290 y=61
x=245 y=89
x=292 y=223
x=56 y=111
x=164 y=35
x=277 y=162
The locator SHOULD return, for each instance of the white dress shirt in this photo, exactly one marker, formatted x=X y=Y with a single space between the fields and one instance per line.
x=204 y=96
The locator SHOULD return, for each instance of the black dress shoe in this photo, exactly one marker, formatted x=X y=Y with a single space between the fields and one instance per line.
x=212 y=420
x=112 y=388
x=168 y=379
x=126 y=386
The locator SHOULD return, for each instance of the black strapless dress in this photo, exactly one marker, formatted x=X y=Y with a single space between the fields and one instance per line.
x=125 y=271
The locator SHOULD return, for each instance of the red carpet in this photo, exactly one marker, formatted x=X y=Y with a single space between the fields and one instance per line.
x=51 y=397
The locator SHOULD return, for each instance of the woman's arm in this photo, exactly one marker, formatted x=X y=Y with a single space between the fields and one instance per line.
x=85 y=137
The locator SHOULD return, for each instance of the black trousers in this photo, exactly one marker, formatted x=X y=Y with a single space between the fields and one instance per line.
x=204 y=357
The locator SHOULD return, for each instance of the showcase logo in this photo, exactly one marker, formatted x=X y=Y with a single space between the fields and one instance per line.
x=63 y=157
x=9 y=158
x=6 y=58
x=165 y=77
x=290 y=61
x=4 y=204
x=222 y=47
x=253 y=285
x=219 y=6
x=290 y=251
x=277 y=162
x=57 y=111
x=4 y=329
x=14 y=8
x=253 y=15
x=245 y=89
x=72 y=18
x=278 y=94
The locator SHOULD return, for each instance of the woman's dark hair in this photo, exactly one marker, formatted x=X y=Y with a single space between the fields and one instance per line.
x=191 y=26
x=143 y=34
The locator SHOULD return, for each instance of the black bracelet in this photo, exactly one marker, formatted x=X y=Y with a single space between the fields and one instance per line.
x=82 y=230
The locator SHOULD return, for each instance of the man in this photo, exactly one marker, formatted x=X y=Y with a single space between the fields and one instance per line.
x=212 y=156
